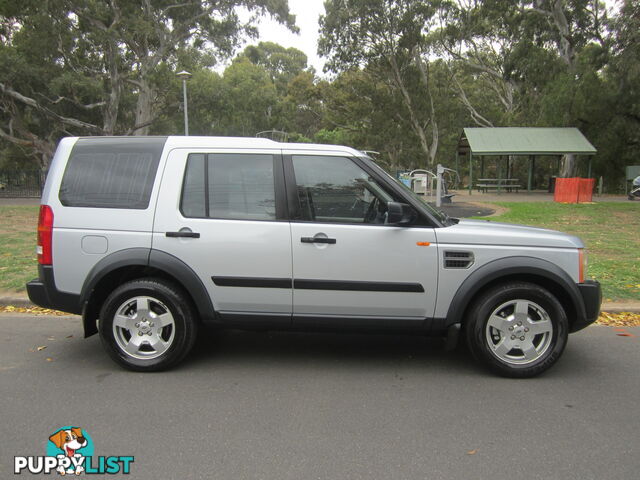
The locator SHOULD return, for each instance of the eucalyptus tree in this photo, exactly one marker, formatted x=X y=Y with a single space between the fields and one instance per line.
x=282 y=63
x=389 y=38
x=151 y=32
x=101 y=66
x=526 y=56
x=44 y=93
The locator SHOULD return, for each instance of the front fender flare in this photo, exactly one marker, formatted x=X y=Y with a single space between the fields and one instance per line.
x=509 y=267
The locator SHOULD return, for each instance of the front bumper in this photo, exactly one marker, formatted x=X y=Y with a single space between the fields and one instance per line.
x=43 y=292
x=591 y=294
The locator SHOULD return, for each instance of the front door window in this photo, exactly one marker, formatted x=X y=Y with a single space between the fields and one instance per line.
x=336 y=190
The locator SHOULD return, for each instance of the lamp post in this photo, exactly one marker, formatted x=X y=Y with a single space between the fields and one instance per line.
x=184 y=75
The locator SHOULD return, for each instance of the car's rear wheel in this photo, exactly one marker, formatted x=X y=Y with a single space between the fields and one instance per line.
x=517 y=329
x=147 y=325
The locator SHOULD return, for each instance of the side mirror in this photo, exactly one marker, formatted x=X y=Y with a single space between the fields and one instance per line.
x=400 y=214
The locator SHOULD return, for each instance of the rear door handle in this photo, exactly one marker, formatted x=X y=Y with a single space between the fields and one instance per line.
x=183 y=234
x=317 y=240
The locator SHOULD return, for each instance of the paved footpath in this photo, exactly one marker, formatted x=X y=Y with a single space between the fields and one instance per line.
x=318 y=406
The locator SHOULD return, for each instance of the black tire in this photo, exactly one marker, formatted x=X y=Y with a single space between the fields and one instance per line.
x=491 y=345
x=174 y=340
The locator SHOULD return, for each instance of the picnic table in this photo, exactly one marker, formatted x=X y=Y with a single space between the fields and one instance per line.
x=508 y=184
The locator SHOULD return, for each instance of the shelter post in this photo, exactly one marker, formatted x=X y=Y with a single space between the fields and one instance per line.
x=530 y=180
x=589 y=174
x=470 y=172
x=457 y=158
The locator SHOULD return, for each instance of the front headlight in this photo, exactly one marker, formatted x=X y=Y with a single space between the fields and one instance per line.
x=582 y=264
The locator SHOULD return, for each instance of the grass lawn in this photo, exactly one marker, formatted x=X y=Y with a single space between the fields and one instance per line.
x=18 y=261
x=611 y=232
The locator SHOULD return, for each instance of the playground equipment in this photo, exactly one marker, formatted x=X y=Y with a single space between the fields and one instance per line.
x=425 y=182
x=422 y=181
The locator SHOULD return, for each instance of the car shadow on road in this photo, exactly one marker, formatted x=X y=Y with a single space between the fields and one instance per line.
x=243 y=348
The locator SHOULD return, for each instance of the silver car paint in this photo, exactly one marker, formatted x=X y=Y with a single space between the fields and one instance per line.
x=235 y=248
x=121 y=229
x=489 y=241
x=372 y=253
x=272 y=249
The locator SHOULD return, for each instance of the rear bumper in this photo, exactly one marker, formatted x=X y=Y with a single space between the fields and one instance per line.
x=43 y=292
x=591 y=298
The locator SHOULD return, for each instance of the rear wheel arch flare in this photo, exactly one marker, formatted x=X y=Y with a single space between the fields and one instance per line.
x=131 y=264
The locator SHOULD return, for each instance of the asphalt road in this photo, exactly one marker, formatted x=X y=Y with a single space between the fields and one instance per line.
x=307 y=406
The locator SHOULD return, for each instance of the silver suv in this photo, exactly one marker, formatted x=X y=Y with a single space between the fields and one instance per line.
x=150 y=238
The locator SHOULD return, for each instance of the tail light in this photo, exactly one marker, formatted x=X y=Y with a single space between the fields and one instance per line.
x=45 y=235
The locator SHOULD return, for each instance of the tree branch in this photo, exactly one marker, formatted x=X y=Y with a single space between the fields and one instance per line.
x=33 y=104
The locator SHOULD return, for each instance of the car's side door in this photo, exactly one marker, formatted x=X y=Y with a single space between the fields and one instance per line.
x=349 y=265
x=221 y=213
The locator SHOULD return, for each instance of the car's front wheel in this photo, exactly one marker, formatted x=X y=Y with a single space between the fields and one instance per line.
x=147 y=325
x=517 y=329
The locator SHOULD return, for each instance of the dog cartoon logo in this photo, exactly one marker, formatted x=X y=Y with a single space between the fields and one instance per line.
x=70 y=451
x=70 y=440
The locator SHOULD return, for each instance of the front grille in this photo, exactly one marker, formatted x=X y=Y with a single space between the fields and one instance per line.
x=458 y=259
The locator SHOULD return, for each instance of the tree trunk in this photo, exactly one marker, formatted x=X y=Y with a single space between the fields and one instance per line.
x=423 y=67
x=568 y=166
x=144 y=107
x=113 y=102
x=415 y=122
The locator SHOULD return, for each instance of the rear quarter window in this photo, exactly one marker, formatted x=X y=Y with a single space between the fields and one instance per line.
x=111 y=172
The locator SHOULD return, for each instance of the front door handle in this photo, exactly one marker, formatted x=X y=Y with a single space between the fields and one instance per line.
x=318 y=240
x=184 y=233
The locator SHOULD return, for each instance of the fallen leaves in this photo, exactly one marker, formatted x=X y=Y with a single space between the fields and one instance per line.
x=623 y=319
x=621 y=332
x=31 y=310
x=472 y=452
x=40 y=348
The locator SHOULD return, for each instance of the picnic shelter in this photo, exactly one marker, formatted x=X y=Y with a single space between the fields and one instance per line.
x=530 y=142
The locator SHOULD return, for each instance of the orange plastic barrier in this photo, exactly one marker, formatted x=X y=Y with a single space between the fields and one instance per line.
x=574 y=190
x=585 y=192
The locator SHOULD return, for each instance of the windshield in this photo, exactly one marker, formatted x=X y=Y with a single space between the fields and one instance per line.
x=440 y=215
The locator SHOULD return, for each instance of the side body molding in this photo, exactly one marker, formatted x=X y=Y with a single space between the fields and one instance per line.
x=142 y=258
x=516 y=267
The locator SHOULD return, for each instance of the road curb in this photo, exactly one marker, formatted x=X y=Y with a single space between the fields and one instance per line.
x=19 y=301
x=620 y=307
x=11 y=301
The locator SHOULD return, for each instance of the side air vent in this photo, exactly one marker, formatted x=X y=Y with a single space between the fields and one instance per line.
x=458 y=259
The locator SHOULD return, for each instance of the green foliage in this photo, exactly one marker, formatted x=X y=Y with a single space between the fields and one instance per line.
x=609 y=231
x=407 y=75
x=283 y=64
x=78 y=67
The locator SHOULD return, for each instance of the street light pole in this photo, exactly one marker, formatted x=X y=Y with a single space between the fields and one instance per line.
x=184 y=75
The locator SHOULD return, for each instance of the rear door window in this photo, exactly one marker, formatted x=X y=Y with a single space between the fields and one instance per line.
x=235 y=186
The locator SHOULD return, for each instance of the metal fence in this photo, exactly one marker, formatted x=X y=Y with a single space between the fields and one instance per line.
x=21 y=183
